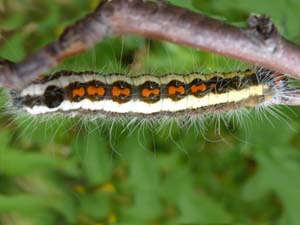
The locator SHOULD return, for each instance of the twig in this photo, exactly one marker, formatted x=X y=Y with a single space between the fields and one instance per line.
x=259 y=43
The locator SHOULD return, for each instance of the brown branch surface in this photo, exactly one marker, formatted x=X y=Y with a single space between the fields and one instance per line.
x=259 y=43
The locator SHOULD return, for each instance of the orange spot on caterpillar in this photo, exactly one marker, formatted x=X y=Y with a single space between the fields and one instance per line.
x=116 y=91
x=196 y=88
x=91 y=90
x=176 y=90
x=80 y=92
x=147 y=92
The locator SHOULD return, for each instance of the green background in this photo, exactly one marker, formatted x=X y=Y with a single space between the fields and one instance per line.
x=72 y=171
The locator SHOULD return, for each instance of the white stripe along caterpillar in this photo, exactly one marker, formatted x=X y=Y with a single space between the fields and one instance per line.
x=172 y=95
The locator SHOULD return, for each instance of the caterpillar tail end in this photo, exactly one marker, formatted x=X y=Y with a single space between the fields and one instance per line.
x=291 y=97
x=16 y=99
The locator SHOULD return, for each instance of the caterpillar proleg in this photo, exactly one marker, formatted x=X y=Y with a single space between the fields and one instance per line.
x=171 y=95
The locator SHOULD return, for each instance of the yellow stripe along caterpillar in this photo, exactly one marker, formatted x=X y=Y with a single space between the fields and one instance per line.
x=171 y=95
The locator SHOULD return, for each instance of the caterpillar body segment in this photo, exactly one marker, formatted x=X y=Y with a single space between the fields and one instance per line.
x=173 y=95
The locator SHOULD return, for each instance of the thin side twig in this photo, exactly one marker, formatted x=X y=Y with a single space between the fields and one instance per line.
x=259 y=43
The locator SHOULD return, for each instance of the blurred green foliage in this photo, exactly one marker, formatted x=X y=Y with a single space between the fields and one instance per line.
x=65 y=171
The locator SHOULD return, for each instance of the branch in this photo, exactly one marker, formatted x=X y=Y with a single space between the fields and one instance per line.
x=259 y=43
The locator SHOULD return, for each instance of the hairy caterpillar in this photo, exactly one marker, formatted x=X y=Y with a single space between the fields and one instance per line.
x=171 y=95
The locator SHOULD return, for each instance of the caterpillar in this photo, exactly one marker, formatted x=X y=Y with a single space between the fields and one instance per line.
x=171 y=95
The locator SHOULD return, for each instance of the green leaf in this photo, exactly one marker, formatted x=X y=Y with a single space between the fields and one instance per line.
x=17 y=163
x=279 y=172
x=96 y=205
x=22 y=203
x=95 y=158
x=197 y=208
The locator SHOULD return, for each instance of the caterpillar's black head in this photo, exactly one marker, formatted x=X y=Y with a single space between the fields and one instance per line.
x=53 y=96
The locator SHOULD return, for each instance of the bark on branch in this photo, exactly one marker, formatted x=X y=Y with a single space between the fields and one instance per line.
x=259 y=43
